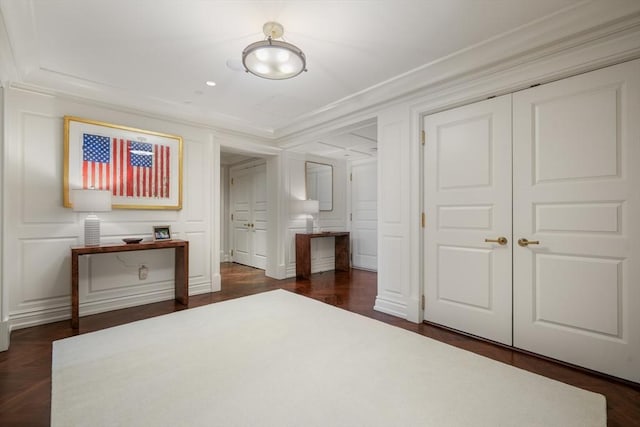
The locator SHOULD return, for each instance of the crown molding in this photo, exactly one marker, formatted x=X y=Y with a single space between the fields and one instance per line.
x=577 y=27
x=562 y=32
x=248 y=139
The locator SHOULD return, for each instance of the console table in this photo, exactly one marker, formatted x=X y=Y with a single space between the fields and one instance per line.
x=303 y=251
x=181 y=268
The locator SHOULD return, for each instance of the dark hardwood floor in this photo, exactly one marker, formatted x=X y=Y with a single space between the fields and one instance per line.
x=25 y=369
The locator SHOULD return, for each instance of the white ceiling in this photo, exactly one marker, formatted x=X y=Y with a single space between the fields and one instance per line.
x=157 y=54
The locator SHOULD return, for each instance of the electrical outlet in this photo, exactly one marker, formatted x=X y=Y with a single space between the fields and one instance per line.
x=143 y=271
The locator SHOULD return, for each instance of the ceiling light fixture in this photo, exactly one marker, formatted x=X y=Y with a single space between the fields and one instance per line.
x=273 y=59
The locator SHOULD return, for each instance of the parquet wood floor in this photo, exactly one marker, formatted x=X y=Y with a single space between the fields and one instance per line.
x=25 y=369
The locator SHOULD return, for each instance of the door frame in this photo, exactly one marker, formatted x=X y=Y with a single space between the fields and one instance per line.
x=223 y=142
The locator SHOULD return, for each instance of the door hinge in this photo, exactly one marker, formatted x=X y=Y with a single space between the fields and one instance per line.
x=231 y=252
x=351 y=176
x=422 y=302
x=350 y=217
x=231 y=217
x=231 y=181
x=423 y=137
x=423 y=220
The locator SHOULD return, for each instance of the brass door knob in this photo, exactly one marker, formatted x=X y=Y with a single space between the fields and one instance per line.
x=500 y=240
x=524 y=242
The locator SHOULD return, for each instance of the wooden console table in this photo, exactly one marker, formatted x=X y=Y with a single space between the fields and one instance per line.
x=181 y=268
x=303 y=251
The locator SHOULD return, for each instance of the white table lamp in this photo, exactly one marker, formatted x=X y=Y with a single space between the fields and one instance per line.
x=91 y=201
x=306 y=207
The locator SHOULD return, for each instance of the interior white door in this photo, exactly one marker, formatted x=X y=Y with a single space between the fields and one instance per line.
x=364 y=214
x=467 y=184
x=249 y=209
x=240 y=196
x=577 y=192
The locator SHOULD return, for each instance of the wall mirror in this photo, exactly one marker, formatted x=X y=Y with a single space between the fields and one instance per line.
x=319 y=182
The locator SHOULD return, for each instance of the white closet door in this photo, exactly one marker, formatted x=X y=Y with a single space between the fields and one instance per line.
x=468 y=199
x=577 y=192
x=364 y=211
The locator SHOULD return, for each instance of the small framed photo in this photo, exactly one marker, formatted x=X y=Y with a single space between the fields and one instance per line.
x=161 y=232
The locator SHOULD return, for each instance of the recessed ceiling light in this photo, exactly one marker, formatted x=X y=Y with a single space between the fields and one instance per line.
x=210 y=83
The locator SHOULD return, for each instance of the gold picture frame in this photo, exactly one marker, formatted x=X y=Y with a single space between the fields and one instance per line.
x=142 y=168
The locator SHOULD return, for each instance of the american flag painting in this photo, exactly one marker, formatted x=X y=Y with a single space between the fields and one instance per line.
x=127 y=168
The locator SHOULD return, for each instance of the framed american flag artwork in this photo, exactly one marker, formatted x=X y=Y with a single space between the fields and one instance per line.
x=142 y=169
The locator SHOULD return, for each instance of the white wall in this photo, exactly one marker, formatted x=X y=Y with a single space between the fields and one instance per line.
x=38 y=231
x=322 y=250
x=397 y=216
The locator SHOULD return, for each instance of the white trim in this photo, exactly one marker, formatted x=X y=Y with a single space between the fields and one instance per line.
x=393 y=308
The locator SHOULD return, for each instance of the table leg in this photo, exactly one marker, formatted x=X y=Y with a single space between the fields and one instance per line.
x=342 y=253
x=303 y=256
x=182 y=274
x=75 y=300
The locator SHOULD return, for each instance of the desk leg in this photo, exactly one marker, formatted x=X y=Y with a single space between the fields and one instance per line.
x=75 y=300
x=182 y=274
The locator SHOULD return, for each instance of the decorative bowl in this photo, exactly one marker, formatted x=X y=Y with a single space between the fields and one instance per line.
x=131 y=240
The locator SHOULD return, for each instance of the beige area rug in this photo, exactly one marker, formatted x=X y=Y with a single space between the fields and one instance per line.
x=280 y=359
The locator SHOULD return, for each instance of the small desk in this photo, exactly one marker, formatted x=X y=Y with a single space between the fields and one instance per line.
x=181 y=268
x=303 y=251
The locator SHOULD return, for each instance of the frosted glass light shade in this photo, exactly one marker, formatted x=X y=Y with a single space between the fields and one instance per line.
x=91 y=200
x=273 y=59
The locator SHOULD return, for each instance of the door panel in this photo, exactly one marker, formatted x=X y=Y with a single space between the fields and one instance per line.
x=467 y=200
x=576 y=191
x=364 y=210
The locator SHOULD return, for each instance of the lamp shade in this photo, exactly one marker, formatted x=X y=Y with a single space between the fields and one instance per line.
x=309 y=207
x=273 y=59
x=86 y=200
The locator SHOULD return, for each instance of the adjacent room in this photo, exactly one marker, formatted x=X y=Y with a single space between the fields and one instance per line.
x=320 y=213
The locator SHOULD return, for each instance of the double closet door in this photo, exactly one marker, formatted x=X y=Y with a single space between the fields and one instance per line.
x=532 y=203
x=248 y=196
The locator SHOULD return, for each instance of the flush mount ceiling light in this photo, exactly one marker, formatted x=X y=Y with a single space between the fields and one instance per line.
x=273 y=59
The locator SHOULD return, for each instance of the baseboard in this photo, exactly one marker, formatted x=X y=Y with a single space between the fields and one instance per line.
x=55 y=314
x=316 y=267
x=216 y=283
x=5 y=333
x=390 y=307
